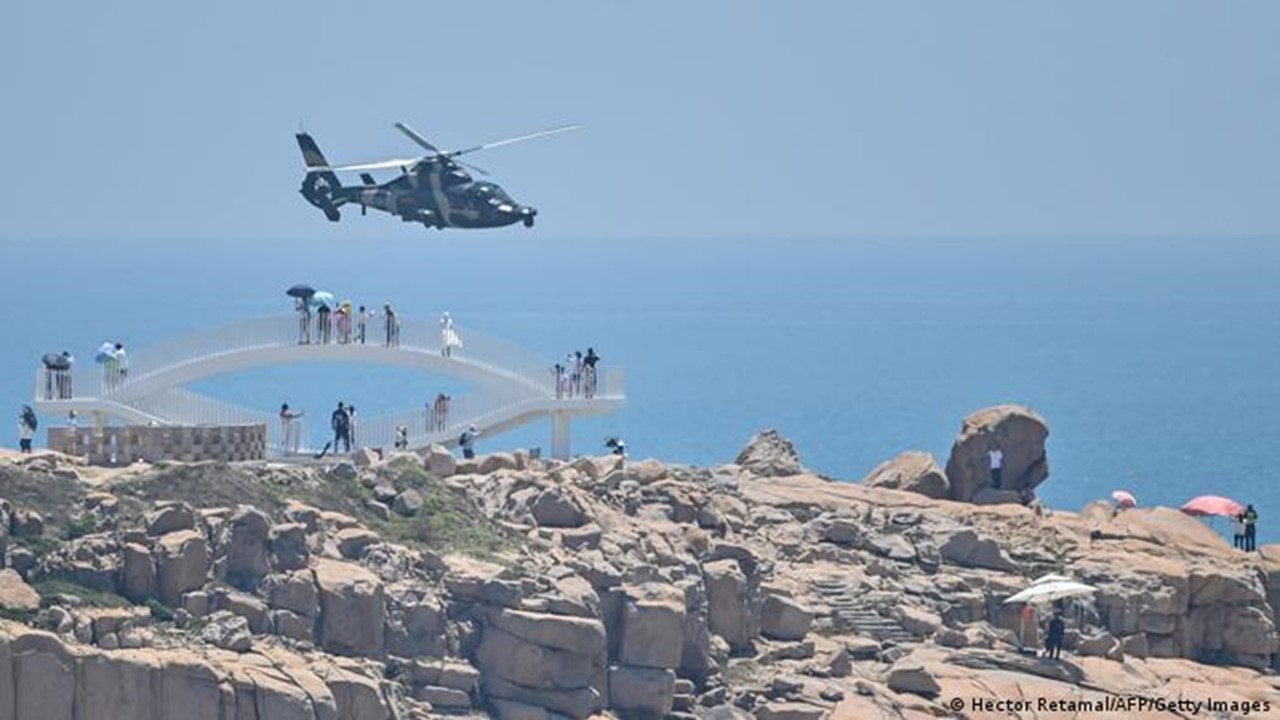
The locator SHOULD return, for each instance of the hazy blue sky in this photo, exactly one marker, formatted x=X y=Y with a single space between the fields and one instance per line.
x=164 y=119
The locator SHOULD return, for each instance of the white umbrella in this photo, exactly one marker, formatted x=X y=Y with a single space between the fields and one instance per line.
x=1050 y=591
x=1051 y=578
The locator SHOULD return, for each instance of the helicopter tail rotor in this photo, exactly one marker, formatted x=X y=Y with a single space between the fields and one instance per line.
x=320 y=182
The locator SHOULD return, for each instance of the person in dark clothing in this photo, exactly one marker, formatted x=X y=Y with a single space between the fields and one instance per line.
x=27 y=424
x=392 y=326
x=340 y=421
x=323 y=325
x=467 y=441
x=63 y=377
x=1053 y=640
x=589 y=373
x=1250 y=529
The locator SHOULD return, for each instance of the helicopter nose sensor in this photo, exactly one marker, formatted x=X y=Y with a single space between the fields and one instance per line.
x=528 y=213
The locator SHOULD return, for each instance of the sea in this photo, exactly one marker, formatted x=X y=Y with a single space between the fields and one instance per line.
x=1154 y=361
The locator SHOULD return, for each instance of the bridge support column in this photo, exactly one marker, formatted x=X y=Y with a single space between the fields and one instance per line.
x=560 y=435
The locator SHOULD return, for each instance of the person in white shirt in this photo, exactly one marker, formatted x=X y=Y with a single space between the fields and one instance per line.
x=996 y=456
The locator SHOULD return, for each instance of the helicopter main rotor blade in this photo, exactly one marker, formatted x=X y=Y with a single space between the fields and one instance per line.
x=508 y=141
x=414 y=136
x=380 y=165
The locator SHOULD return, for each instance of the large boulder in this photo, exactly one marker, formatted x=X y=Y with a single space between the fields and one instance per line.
x=782 y=618
x=439 y=461
x=288 y=543
x=641 y=692
x=182 y=560
x=245 y=542
x=584 y=636
x=1018 y=432
x=914 y=471
x=352 y=609
x=728 y=598
x=652 y=626
x=139 y=571
x=16 y=594
x=501 y=654
x=556 y=507
x=967 y=549
x=170 y=517
x=295 y=592
x=768 y=454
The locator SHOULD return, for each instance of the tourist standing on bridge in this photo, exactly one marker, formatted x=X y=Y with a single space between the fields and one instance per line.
x=323 y=324
x=589 y=372
x=365 y=317
x=392 y=326
x=122 y=362
x=557 y=371
x=449 y=338
x=288 y=429
x=344 y=323
x=340 y=421
x=304 y=320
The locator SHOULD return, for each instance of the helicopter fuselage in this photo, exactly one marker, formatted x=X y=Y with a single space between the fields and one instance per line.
x=433 y=193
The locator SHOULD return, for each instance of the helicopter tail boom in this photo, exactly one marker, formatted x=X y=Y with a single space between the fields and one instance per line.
x=320 y=183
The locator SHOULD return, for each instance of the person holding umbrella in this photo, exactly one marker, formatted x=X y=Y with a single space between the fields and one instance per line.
x=302 y=305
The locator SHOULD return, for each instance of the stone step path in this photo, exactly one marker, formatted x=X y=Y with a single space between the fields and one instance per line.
x=849 y=613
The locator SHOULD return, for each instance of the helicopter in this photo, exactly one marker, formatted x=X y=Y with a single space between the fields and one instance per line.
x=434 y=189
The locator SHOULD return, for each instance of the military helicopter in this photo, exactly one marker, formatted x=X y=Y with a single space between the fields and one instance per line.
x=433 y=189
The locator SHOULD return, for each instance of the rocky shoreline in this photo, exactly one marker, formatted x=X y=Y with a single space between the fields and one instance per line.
x=420 y=586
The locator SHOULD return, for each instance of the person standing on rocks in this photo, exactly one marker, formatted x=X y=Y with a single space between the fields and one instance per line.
x=27 y=424
x=996 y=457
x=1053 y=640
x=467 y=441
x=1250 y=529
x=1237 y=541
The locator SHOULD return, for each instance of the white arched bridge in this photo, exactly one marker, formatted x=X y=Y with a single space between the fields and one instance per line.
x=513 y=386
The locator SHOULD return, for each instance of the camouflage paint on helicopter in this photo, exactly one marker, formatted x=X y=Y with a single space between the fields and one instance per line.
x=433 y=189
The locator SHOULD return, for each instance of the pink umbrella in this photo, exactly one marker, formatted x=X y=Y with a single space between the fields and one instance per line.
x=1124 y=499
x=1213 y=505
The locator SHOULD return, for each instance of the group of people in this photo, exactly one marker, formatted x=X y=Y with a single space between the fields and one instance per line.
x=57 y=375
x=347 y=324
x=351 y=326
x=576 y=376
x=1246 y=538
x=115 y=362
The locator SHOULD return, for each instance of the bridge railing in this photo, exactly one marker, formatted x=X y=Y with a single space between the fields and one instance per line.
x=424 y=427
x=90 y=379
